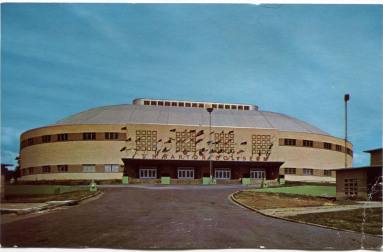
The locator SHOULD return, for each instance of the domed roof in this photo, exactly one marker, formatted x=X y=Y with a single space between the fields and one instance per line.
x=140 y=114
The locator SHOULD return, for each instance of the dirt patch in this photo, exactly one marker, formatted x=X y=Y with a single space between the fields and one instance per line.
x=44 y=198
x=259 y=200
x=349 y=220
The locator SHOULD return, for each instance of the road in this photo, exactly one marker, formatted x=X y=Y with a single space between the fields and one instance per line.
x=173 y=217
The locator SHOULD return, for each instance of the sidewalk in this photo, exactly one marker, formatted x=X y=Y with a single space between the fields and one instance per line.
x=284 y=212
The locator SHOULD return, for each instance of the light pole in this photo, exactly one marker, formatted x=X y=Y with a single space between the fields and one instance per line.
x=346 y=99
x=210 y=109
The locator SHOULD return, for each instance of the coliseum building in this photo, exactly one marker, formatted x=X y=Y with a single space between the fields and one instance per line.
x=166 y=141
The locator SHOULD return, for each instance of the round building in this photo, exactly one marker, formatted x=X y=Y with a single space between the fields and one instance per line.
x=167 y=141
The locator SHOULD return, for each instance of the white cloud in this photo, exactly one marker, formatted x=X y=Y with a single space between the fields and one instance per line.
x=361 y=159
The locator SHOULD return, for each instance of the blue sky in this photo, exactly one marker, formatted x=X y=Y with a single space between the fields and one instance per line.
x=60 y=59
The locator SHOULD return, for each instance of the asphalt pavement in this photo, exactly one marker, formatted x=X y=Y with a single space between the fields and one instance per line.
x=170 y=217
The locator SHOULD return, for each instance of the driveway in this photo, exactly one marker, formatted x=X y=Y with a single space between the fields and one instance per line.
x=170 y=217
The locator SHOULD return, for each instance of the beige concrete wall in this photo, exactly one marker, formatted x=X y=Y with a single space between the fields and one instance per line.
x=73 y=176
x=108 y=152
x=307 y=157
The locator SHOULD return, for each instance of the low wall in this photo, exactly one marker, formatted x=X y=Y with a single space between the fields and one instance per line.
x=143 y=181
x=228 y=181
x=186 y=181
x=14 y=190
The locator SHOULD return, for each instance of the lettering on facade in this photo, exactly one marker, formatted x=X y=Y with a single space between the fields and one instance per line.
x=192 y=144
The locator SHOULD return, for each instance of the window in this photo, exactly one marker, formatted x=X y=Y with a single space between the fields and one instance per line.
x=224 y=142
x=240 y=107
x=233 y=107
x=160 y=103
x=180 y=104
x=290 y=141
x=185 y=173
x=222 y=173
x=89 y=136
x=167 y=104
x=338 y=147
x=62 y=137
x=308 y=143
x=201 y=105
x=146 y=103
x=111 y=135
x=62 y=168
x=153 y=103
x=30 y=170
x=46 y=139
x=261 y=144
x=308 y=171
x=247 y=108
x=185 y=141
x=46 y=169
x=30 y=141
x=349 y=151
x=148 y=173
x=215 y=106
x=187 y=104
x=112 y=168
x=220 y=106
x=146 y=140
x=327 y=173
x=351 y=187
x=88 y=168
x=227 y=106
x=174 y=104
x=257 y=174
x=327 y=146
x=290 y=170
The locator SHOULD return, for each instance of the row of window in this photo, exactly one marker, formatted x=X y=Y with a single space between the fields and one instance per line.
x=86 y=168
x=188 y=173
x=195 y=105
x=65 y=137
x=306 y=171
x=310 y=143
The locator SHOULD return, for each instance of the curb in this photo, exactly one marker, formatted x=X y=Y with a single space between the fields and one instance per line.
x=232 y=198
x=49 y=205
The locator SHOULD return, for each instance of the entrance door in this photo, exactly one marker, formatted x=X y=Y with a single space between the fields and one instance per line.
x=148 y=173
x=222 y=173
x=185 y=173
x=257 y=174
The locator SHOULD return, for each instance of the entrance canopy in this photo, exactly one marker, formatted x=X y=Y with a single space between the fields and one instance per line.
x=200 y=163
x=201 y=168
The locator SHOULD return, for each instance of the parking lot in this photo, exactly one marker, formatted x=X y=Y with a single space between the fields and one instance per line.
x=170 y=217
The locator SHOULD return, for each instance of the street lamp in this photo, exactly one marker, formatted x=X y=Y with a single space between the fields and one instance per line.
x=346 y=99
x=210 y=109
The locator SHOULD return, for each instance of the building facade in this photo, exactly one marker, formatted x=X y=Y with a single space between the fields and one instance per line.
x=150 y=139
x=361 y=183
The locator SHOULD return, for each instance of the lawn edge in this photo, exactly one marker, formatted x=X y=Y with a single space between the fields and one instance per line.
x=231 y=197
x=48 y=206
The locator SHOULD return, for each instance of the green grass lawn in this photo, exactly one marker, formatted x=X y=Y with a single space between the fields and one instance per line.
x=350 y=220
x=310 y=190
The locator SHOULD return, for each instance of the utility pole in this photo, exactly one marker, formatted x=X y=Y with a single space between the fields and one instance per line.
x=346 y=99
x=210 y=109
